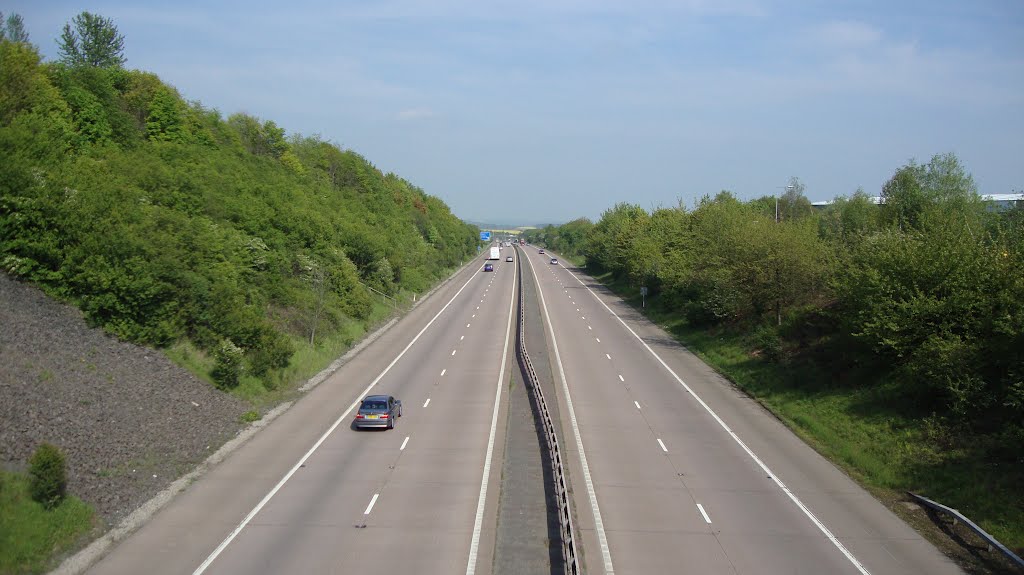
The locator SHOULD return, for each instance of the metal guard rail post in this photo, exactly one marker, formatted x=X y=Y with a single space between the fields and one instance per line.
x=569 y=554
x=992 y=543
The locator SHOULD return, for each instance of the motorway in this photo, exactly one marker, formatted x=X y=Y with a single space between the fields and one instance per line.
x=673 y=470
x=309 y=494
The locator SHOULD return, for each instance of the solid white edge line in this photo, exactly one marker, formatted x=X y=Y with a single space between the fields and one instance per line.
x=602 y=537
x=404 y=443
x=427 y=402
x=792 y=496
x=662 y=444
x=704 y=513
x=372 y=502
x=474 y=545
x=266 y=498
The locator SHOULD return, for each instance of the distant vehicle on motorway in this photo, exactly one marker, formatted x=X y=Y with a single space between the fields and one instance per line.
x=378 y=411
x=508 y=259
x=488 y=267
x=554 y=260
x=541 y=251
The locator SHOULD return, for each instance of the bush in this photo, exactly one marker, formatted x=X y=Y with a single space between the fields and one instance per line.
x=48 y=479
x=227 y=365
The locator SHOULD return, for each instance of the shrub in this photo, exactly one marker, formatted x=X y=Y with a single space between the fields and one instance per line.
x=48 y=475
x=227 y=365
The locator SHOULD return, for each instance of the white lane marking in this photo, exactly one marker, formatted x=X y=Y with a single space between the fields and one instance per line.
x=462 y=338
x=598 y=339
x=359 y=399
x=474 y=545
x=792 y=496
x=577 y=309
x=704 y=513
x=636 y=403
x=444 y=371
x=427 y=402
x=477 y=307
x=622 y=379
x=467 y=325
x=453 y=351
x=404 y=443
x=602 y=538
x=608 y=356
x=372 y=502
x=662 y=444
x=474 y=315
x=590 y=328
x=583 y=317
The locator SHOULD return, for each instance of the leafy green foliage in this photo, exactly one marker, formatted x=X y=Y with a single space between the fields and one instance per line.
x=925 y=287
x=227 y=364
x=164 y=222
x=48 y=477
x=92 y=41
x=13 y=28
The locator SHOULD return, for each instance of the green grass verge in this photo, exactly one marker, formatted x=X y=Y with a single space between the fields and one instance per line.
x=868 y=430
x=30 y=535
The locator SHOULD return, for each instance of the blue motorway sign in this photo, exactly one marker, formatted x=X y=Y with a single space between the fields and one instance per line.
x=485 y=236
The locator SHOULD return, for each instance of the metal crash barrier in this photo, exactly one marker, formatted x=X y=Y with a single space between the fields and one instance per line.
x=569 y=554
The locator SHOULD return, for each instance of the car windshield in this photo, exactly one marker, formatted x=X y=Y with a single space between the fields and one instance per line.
x=374 y=405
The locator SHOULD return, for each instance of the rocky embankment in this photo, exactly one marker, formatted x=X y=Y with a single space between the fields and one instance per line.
x=129 y=420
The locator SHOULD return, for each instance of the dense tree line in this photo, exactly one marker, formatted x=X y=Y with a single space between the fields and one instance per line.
x=925 y=288
x=164 y=220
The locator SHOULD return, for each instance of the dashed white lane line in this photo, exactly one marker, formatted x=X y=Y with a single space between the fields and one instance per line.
x=302 y=461
x=462 y=338
x=662 y=444
x=427 y=402
x=764 y=467
x=590 y=328
x=622 y=379
x=636 y=403
x=453 y=351
x=372 y=502
x=478 y=307
x=404 y=443
x=598 y=339
x=608 y=356
x=704 y=513
x=444 y=371
x=467 y=325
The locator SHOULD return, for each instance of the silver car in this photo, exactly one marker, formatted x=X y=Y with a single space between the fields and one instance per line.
x=378 y=411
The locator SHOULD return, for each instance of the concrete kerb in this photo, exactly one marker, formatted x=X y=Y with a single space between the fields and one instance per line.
x=84 y=559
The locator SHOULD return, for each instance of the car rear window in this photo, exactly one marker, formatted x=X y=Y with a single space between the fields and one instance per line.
x=374 y=405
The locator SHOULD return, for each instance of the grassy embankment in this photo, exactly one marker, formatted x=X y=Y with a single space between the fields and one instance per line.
x=865 y=429
x=29 y=534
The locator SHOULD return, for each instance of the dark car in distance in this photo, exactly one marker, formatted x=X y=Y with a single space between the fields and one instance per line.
x=488 y=267
x=378 y=411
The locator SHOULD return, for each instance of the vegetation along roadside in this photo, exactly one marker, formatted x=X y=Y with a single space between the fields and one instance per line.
x=250 y=257
x=888 y=332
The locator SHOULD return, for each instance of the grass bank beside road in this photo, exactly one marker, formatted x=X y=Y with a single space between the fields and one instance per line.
x=864 y=426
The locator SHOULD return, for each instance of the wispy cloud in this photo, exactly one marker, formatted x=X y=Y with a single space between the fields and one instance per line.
x=413 y=114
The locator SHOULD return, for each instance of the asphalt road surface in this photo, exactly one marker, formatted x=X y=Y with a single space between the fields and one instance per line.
x=309 y=494
x=675 y=471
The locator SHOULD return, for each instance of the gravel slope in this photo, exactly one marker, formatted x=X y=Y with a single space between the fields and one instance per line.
x=128 y=419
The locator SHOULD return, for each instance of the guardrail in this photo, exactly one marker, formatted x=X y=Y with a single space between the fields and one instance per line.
x=569 y=554
x=957 y=516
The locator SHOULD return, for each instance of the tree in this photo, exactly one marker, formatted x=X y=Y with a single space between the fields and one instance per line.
x=794 y=204
x=94 y=41
x=13 y=28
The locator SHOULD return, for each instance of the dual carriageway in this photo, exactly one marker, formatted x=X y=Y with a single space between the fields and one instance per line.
x=672 y=469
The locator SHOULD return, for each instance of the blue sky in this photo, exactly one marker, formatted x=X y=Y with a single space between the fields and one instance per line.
x=547 y=110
